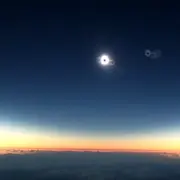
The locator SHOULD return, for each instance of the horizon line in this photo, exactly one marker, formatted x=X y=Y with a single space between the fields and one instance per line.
x=88 y=149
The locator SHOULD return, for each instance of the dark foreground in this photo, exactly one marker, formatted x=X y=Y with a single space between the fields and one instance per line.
x=87 y=166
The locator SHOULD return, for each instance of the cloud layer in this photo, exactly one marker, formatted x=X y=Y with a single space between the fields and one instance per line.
x=88 y=165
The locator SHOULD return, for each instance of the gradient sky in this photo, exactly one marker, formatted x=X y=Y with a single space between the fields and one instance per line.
x=53 y=94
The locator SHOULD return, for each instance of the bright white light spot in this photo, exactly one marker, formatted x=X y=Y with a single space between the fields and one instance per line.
x=104 y=60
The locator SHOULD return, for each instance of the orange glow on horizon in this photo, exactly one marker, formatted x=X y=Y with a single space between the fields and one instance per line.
x=24 y=140
x=121 y=145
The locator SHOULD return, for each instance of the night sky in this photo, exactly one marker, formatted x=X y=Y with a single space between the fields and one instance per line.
x=54 y=94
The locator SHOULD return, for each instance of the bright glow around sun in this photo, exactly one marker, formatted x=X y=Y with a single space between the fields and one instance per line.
x=105 y=60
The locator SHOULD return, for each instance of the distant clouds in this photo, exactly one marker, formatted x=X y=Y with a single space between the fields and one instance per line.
x=171 y=155
x=19 y=151
x=88 y=165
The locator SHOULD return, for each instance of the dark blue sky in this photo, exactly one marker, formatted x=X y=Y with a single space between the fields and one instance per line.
x=50 y=78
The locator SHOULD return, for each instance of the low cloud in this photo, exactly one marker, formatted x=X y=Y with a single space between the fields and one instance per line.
x=87 y=165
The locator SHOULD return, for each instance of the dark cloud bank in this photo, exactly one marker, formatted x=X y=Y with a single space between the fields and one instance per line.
x=87 y=166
